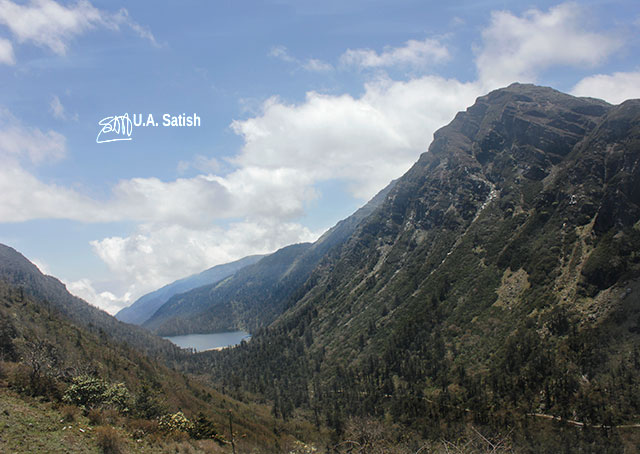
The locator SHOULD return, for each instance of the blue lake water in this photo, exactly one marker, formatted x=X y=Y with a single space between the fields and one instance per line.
x=202 y=342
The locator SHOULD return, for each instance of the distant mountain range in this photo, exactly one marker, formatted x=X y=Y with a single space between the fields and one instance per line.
x=145 y=306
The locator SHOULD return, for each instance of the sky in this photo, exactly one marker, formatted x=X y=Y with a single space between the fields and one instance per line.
x=303 y=110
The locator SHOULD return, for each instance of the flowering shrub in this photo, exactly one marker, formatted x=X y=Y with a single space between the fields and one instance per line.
x=89 y=392
x=175 y=422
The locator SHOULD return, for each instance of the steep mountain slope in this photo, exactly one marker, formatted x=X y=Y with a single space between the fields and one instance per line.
x=257 y=294
x=145 y=306
x=499 y=278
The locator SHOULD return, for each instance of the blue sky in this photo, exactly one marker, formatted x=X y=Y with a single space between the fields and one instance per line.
x=307 y=109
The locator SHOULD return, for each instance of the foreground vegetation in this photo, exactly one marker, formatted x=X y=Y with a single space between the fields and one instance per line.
x=64 y=389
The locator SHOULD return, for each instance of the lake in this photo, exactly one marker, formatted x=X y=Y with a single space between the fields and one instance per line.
x=202 y=342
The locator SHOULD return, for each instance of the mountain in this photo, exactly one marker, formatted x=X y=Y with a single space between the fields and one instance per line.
x=496 y=284
x=145 y=306
x=257 y=294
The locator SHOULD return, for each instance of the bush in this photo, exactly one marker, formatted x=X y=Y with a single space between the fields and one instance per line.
x=203 y=428
x=117 y=397
x=142 y=427
x=86 y=392
x=109 y=440
x=24 y=380
x=69 y=413
x=176 y=422
x=146 y=405
x=95 y=417
x=90 y=392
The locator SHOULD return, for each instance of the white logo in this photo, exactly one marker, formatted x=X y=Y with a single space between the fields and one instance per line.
x=115 y=128
x=120 y=127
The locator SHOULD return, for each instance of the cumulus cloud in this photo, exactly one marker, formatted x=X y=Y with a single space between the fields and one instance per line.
x=24 y=198
x=519 y=48
x=105 y=300
x=42 y=266
x=194 y=202
x=365 y=141
x=6 y=52
x=413 y=53
x=281 y=53
x=47 y=23
x=315 y=65
x=614 y=88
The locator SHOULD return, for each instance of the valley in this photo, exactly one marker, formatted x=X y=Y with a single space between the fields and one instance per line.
x=488 y=300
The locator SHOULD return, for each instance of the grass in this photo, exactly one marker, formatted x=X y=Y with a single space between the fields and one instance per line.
x=30 y=425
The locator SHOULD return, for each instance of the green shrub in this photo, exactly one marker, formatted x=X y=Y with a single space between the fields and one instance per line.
x=203 y=428
x=89 y=392
x=117 y=397
x=146 y=405
x=176 y=422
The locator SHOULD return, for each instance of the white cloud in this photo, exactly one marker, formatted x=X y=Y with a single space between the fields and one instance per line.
x=18 y=141
x=413 y=53
x=315 y=65
x=24 y=198
x=56 y=108
x=365 y=141
x=311 y=64
x=6 y=52
x=281 y=53
x=122 y=18
x=47 y=23
x=200 y=163
x=192 y=202
x=614 y=88
x=42 y=266
x=105 y=300
x=519 y=48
